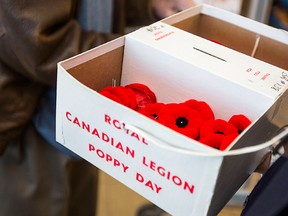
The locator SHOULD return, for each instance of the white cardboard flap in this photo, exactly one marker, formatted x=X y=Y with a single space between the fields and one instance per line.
x=209 y=56
x=249 y=24
x=233 y=18
x=236 y=32
x=179 y=66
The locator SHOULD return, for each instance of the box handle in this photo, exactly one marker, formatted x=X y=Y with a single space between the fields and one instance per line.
x=276 y=140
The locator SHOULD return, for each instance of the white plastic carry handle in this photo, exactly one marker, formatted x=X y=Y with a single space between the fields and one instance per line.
x=268 y=144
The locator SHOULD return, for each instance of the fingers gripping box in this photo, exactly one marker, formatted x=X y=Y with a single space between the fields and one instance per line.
x=180 y=175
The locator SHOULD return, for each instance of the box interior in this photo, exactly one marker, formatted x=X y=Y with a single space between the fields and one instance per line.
x=236 y=38
x=100 y=72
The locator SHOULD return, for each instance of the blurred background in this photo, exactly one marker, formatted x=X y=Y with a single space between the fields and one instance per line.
x=271 y=12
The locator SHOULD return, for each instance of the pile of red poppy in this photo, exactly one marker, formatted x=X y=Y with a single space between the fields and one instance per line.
x=192 y=118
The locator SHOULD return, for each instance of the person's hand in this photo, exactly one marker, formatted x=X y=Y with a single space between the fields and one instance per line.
x=264 y=164
x=165 y=8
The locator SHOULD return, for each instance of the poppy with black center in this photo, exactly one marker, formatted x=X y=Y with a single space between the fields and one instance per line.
x=213 y=132
x=241 y=122
x=181 y=122
x=202 y=107
x=181 y=119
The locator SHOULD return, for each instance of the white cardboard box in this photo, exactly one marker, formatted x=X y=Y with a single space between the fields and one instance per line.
x=178 y=174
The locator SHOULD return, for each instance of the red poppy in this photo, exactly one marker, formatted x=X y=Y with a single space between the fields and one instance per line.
x=120 y=94
x=227 y=140
x=213 y=140
x=202 y=107
x=143 y=93
x=152 y=110
x=213 y=132
x=241 y=122
x=181 y=119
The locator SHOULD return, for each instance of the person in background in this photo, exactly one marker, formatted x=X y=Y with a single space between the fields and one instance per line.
x=279 y=14
x=38 y=176
x=139 y=13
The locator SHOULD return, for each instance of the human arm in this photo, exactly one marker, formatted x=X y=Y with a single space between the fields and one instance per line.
x=145 y=12
x=34 y=36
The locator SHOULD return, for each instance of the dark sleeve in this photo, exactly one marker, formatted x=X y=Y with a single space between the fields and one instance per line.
x=34 y=36
x=39 y=33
